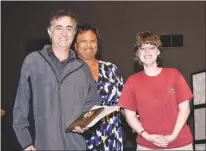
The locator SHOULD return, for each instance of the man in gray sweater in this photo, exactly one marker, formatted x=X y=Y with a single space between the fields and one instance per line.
x=61 y=88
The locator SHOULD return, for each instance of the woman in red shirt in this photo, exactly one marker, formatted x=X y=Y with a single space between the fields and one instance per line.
x=161 y=96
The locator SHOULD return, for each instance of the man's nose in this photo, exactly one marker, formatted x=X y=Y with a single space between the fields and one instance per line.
x=64 y=32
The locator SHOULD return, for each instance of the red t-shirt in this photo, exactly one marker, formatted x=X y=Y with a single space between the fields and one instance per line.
x=156 y=99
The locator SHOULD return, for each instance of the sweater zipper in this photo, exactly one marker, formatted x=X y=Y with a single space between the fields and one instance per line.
x=69 y=74
x=52 y=70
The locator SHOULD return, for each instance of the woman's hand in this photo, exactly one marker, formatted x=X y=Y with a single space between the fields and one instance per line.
x=158 y=140
x=170 y=138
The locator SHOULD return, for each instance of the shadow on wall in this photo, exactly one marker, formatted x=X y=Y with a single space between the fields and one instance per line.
x=36 y=44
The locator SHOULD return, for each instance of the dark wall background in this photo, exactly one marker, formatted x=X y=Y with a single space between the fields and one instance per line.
x=24 y=30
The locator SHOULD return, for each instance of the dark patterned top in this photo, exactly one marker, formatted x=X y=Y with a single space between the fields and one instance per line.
x=107 y=134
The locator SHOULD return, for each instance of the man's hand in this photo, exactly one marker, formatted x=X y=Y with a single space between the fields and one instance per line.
x=30 y=148
x=2 y=112
x=79 y=129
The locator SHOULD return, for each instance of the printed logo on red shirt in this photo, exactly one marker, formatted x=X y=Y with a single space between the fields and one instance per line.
x=171 y=90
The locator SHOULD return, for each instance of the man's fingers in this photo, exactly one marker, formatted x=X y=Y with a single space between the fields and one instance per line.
x=33 y=149
x=79 y=129
x=85 y=129
x=30 y=148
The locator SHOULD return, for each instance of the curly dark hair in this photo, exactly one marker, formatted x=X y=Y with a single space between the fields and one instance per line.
x=147 y=38
x=85 y=27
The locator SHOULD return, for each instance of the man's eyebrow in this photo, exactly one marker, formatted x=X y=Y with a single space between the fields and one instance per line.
x=70 y=26
x=58 y=26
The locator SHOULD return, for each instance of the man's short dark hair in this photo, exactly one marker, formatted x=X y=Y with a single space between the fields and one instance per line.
x=61 y=13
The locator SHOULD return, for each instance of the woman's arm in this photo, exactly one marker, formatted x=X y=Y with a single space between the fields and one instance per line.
x=133 y=121
x=184 y=111
x=136 y=125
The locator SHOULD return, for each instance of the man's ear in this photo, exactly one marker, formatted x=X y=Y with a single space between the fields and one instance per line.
x=49 y=32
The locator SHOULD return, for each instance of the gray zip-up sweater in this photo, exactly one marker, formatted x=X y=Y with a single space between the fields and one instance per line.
x=58 y=99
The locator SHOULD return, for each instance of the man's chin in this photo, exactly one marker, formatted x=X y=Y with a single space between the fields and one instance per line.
x=63 y=46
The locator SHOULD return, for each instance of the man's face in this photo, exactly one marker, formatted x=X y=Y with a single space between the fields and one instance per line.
x=61 y=32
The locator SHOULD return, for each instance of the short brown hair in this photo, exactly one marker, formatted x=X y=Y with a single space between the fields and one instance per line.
x=61 y=13
x=147 y=38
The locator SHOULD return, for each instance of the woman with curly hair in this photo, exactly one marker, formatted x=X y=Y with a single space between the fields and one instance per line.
x=106 y=134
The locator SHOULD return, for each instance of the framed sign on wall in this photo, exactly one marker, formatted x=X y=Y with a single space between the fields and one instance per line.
x=198 y=84
x=199 y=110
